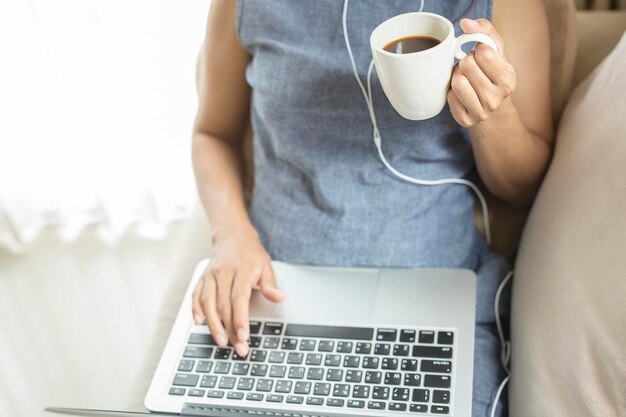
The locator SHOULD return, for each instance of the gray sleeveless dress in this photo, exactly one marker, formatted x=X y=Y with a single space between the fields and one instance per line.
x=321 y=195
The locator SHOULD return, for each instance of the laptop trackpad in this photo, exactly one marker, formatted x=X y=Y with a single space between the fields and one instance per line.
x=315 y=294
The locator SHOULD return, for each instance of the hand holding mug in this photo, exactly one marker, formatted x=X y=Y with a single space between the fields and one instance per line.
x=482 y=80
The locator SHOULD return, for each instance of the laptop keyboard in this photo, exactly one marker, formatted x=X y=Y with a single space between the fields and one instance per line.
x=404 y=370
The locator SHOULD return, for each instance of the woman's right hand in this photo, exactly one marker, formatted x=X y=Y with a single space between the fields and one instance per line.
x=222 y=296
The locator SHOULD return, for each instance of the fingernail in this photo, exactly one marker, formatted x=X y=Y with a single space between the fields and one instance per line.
x=241 y=334
x=197 y=319
x=241 y=349
x=220 y=339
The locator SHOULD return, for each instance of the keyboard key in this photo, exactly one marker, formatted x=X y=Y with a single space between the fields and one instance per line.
x=264 y=385
x=314 y=401
x=303 y=387
x=397 y=407
x=254 y=341
x=341 y=390
x=245 y=384
x=401 y=350
x=437 y=381
x=222 y=353
x=289 y=344
x=370 y=362
x=295 y=358
x=356 y=403
x=412 y=380
x=380 y=393
x=234 y=395
x=376 y=405
x=314 y=359
x=409 y=365
x=255 y=327
x=350 y=361
x=407 y=336
x=272 y=328
x=213 y=393
x=271 y=342
x=222 y=367
x=277 y=357
x=330 y=332
x=208 y=381
x=254 y=396
x=258 y=355
x=439 y=409
x=186 y=365
x=427 y=336
x=443 y=367
x=332 y=360
x=321 y=388
x=307 y=344
x=390 y=364
x=441 y=397
x=196 y=392
x=335 y=402
x=326 y=346
x=420 y=395
x=236 y=357
x=386 y=335
x=361 y=391
x=295 y=399
x=315 y=374
x=201 y=339
x=445 y=338
x=400 y=394
x=432 y=352
x=363 y=348
x=185 y=380
x=354 y=376
x=227 y=382
x=177 y=391
x=344 y=347
x=283 y=386
x=278 y=371
x=382 y=349
x=334 y=375
x=373 y=377
x=198 y=352
x=296 y=372
x=258 y=370
x=204 y=366
x=418 y=408
x=274 y=398
x=241 y=368
x=393 y=378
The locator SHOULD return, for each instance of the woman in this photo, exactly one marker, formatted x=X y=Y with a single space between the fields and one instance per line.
x=321 y=196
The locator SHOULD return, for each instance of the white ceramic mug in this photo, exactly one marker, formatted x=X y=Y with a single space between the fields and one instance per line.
x=416 y=83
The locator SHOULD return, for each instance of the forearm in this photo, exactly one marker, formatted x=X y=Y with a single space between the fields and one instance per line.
x=510 y=158
x=219 y=178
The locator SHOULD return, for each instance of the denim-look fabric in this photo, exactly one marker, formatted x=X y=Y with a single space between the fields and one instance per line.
x=321 y=195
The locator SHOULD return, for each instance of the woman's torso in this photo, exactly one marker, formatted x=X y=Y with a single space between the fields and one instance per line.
x=321 y=194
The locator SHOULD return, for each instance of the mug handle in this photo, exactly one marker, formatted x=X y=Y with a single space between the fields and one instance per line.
x=472 y=37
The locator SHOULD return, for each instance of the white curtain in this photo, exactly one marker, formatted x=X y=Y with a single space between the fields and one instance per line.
x=97 y=99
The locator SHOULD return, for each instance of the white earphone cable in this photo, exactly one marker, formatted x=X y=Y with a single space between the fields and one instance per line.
x=367 y=95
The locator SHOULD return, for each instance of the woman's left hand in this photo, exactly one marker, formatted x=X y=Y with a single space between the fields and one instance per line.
x=482 y=80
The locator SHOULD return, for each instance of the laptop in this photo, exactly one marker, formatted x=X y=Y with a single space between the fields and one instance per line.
x=345 y=342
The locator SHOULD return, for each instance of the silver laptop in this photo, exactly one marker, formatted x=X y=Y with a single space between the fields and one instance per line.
x=345 y=342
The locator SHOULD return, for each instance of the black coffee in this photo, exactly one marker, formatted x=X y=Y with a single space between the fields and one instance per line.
x=411 y=44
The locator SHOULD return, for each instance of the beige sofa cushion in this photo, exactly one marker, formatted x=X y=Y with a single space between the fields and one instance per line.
x=569 y=293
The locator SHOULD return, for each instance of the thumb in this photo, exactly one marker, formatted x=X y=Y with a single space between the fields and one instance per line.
x=268 y=287
x=483 y=26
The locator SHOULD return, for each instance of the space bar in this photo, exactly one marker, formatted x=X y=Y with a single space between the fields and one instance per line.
x=330 y=332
